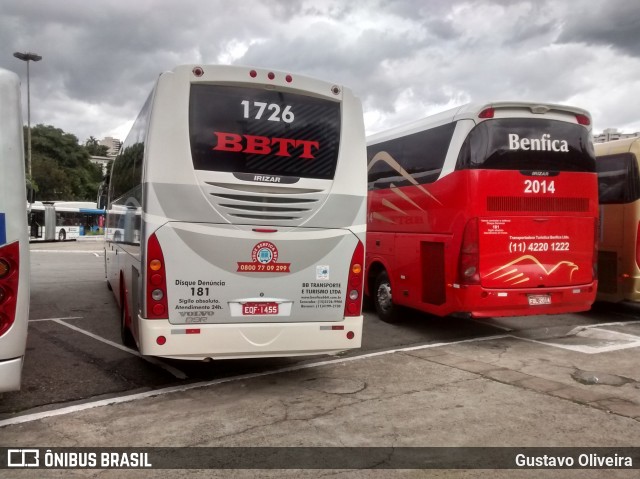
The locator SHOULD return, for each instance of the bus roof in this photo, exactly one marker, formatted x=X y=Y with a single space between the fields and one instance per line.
x=618 y=146
x=470 y=111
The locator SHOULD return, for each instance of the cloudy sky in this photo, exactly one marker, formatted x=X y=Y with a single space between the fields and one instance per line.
x=405 y=59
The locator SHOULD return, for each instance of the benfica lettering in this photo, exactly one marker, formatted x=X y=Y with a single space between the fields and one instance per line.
x=537 y=144
x=263 y=145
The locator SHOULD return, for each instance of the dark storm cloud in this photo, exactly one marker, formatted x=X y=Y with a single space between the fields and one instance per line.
x=614 y=23
x=404 y=58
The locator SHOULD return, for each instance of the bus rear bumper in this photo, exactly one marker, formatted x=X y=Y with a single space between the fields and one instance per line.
x=479 y=302
x=234 y=341
x=10 y=374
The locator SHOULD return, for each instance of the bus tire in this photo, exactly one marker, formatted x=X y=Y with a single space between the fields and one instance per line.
x=62 y=235
x=125 y=332
x=383 y=300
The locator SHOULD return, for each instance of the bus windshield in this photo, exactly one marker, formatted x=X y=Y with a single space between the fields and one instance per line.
x=527 y=144
x=300 y=138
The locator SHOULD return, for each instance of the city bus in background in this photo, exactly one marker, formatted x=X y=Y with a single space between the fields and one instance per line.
x=236 y=216
x=64 y=220
x=14 y=243
x=619 y=246
x=484 y=210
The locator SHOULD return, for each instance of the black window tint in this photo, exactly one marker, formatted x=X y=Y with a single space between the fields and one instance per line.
x=618 y=179
x=527 y=144
x=248 y=130
x=420 y=154
x=126 y=175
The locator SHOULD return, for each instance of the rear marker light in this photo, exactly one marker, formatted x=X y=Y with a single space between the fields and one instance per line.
x=253 y=73
x=487 y=113
x=271 y=75
x=350 y=335
x=583 y=119
x=161 y=340
x=198 y=71
x=288 y=78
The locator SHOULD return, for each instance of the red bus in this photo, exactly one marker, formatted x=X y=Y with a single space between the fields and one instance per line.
x=483 y=211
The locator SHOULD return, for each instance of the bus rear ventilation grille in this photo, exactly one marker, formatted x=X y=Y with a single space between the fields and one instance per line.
x=537 y=204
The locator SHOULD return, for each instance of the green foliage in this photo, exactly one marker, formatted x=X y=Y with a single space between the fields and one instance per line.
x=61 y=166
x=94 y=149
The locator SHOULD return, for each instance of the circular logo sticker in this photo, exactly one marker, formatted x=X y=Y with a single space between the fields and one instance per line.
x=264 y=253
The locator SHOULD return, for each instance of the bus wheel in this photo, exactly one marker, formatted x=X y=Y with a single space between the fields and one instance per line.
x=125 y=333
x=383 y=301
x=62 y=235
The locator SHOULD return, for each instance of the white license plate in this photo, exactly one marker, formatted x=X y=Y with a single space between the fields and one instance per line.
x=259 y=309
x=539 y=299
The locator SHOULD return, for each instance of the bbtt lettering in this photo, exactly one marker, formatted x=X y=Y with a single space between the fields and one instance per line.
x=263 y=145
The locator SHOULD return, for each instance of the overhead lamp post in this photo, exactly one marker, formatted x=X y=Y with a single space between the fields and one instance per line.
x=27 y=57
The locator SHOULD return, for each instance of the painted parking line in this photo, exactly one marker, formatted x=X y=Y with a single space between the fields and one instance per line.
x=155 y=361
x=53 y=319
x=186 y=387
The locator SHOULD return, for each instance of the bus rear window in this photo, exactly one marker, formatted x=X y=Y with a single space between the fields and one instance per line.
x=618 y=179
x=248 y=130
x=528 y=144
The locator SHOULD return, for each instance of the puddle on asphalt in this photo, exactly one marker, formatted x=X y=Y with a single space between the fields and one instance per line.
x=599 y=378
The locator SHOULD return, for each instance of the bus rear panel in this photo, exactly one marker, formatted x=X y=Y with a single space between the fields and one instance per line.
x=618 y=165
x=252 y=211
x=486 y=215
x=14 y=244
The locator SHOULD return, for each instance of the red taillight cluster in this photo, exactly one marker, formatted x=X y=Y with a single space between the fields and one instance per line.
x=353 y=304
x=487 y=113
x=157 y=307
x=583 y=119
x=469 y=266
x=9 y=276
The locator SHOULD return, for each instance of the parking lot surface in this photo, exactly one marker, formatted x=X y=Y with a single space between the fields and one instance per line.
x=544 y=381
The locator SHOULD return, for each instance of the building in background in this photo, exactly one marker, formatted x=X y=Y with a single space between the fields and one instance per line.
x=610 y=134
x=113 y=144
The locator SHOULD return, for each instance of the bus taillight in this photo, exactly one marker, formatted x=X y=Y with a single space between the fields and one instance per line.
x=353 y=304
x=157 y=306
x=9 y=262
x=583 y=119
x=468 y=267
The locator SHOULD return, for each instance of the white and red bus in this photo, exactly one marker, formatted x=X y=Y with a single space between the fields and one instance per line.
x=484 y=210
x=236 y=216
x=14 y=242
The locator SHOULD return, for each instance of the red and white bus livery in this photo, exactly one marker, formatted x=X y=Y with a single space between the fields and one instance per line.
x=484 y=210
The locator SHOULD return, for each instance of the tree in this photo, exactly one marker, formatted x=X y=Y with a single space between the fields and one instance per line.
x=94 y=148
x=61 y=166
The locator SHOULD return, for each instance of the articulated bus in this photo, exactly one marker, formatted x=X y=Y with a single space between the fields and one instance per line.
x=14 y=243
x=618 y=167
x=237 y=216
x=484 y=210
x=63 y=220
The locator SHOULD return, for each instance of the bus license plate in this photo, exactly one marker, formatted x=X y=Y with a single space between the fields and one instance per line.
x=255 y=309
x=539 y=299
